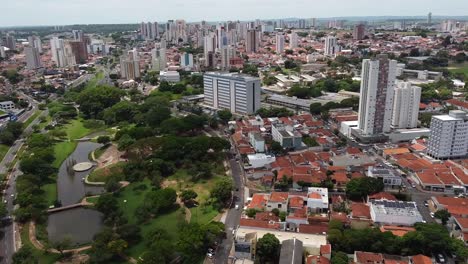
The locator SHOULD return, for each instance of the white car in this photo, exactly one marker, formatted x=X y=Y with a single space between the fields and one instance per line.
x=237 y=207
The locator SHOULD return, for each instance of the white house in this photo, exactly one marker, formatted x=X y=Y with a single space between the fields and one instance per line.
x=317 y=199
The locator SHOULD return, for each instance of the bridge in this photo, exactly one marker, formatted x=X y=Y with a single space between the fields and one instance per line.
x=83 y=203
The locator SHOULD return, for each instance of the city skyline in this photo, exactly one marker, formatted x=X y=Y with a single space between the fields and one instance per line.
x=27 y=12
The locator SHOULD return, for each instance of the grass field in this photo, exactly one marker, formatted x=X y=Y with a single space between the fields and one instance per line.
x=101 y=175
x=98 y=152
x=76 y=129
x=61 y=151
x=92 y=199
x=3 y=151
x=459 y=68
x=41 y=257
x=31 y=118
x=50 y=190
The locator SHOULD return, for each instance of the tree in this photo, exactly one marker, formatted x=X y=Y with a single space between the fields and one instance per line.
x=25 y=256
x=315 y=108
x=62 y=244
x=276 y=148
x=339 y=257
x=268 y=248
x=103 y=140
x=225 y=115
x=222 y=191
x=359 y=188
x=251 y=212
x=3 y=210
x=125 y=141
x=94 y=100
x=443 y=215
x=188 y=195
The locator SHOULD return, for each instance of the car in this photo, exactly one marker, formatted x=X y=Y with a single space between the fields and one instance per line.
x=440 y=258
x=210 y=250
x=237 y=207
x=413 y=185
x=432 y=214
x=426 y=204
x=210 y=255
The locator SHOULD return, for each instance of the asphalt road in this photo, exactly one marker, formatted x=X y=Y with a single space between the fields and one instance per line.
x=7 y=232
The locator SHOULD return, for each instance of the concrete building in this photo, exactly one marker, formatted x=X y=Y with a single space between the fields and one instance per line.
x=159 y=59
x=236 y=92
x=292 y=251
x=260 y=160
x=286 y=136
x=257 y=141
x=331 y=46
x=79 y=51
x=252 y=43
x=406 y=105
x=359 y=32
x=317 y=199
x=35 y=41
x=78 y=35
x=186 y=61
x=388 y=176
x=33 y=59
x=169 y=76
x=2 y=52
x=150 y=30
x=449 y=136
x=293 y=40
x=7 y=105
x=209 y=48
x=376 y=97
x=130 y=65
x=279 y=43
x=9 y=41
x=227 y=53
x=395 y=212
x=57 y=47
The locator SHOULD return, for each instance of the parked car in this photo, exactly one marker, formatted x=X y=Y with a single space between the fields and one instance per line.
x=440 y=258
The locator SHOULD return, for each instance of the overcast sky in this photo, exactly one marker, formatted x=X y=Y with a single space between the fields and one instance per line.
x=63 y=12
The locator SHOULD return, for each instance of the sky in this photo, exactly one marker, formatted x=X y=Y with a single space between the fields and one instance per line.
x=66 y=12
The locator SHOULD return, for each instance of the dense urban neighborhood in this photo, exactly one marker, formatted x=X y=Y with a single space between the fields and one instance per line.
x=299 y=140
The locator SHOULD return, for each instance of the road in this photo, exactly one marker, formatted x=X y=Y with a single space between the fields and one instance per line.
x=7 y=239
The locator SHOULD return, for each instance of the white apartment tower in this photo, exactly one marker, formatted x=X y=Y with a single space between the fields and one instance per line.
x=376 y=96
x=186 y=61
x=62 y=54
x=130 y=65
x=279 y=43
x=149 y=30
x=293 y=40
x=331 y=46
x=227 y=53
x=406 y=105
x=33 y=59
x=236 y=92
x=449 y=136
x=159 y=59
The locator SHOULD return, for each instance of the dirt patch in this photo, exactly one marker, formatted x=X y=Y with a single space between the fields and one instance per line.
x=111 y=156
x=75 y=259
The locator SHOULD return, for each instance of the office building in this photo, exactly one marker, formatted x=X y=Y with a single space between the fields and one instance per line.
x=359 y=32
x=235 y=92
x=406 y=101
x=9 y=42
x=186 y=61
x=227 y=53
x=79 y=50
x=395 y=212
x=293 y=40
x=376 y=95
x=7 y=105
x=33 y=59
x=158 y=58
x=301 y=23
x=169 y=76
x=279 y=43
x=286 y=136
x=170 y=32
x=253 y=41
x=429 y=18
x=35 y=41
x=449 y=136
x=331 y=46
x=130 y=65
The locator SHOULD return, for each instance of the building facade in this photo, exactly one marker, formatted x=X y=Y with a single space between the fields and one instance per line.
x=33 y=59
x=449 y=136
x=406 y=105
x=279 y=43
x=238 y=93
x=130 y=65
x=331 y=46
x=252 y=42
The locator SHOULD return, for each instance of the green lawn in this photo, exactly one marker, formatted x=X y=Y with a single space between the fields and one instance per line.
x=50 y=190
x=203 y=214
x=93 y=82
x=101 y=175
x=61 y=151
x=3 y=151
x=459 y=68
x=76 y=129
x=41 y=256
x=92 y=200
x=98 y=152
x=31 y=118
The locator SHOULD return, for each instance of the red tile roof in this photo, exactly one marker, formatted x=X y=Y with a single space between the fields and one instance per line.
x=258 y=201
x=278 y=197
x=360 y=210
x=296 y=202
x=383 y=196
x=397 y=230
x=258 y=224
x=368 y=257
x=317 y=260
x=316 y=228
x=421 y=259
x=325 y=249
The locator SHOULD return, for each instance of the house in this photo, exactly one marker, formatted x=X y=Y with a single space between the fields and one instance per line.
x=278 y=200
x=317 y=199
x=260 y=160
x=460 y=229
x=389 y=177
x=361 y=257
x=257 y=141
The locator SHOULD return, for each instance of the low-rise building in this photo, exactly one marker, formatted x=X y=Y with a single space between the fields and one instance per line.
x=169 y=76
x=291 y=251
x=317 y=199
x=7 y=105
x=395 y=212
x=257 y=141
x=286 y=136
x=260 y=160
x=388 y=176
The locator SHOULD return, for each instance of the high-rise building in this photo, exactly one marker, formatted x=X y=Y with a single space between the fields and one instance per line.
x=79 y=50
x=2 y=52
x=33 y=59
x=301 y=23
x=209 y=47
x=186 y=61
x=236 y=92
x=376 y=96
x=9 y=41
x=170 y=32
x=293 y=40
x=159 y=59
x=227 y=53
x=78 y=35
x=359 y=32
x=313 y=22
x=429 y=18
x=449 y=136
x=406 y=101
x=252 y=42
x=62 y=54
x=149 y=30
x=331 y=46
x=130 y=65
x=279 y=43
x=221 y=37
x=35 y=41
